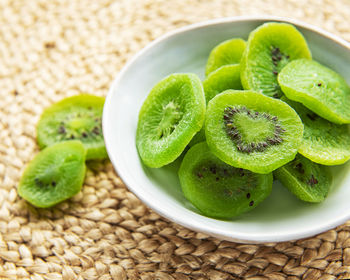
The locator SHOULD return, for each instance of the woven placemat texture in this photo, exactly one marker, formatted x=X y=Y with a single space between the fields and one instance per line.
x=58 y=48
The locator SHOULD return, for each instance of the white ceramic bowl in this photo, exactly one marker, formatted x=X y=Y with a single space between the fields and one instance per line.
x=279 y=218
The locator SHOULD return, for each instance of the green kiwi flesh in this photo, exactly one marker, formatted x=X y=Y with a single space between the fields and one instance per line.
x=227 y=52
x=223 y=78
x=55 y=174
x=269 y=48
x=307 y=180
x=323 y=142
x=171 y=115
x=79 y=118
x=249 y=130
x=217 y=189
x=318 y=88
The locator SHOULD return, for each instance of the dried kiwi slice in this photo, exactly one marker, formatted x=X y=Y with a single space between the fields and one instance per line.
x=318 y=88
x=269 y=48
x=171 y=115
x=77 y=117
x=55 y=174
x=228 y=52
x=252 y=131
x=223 y=78
x=309 y=181
x=217 y=189
x=323 y=142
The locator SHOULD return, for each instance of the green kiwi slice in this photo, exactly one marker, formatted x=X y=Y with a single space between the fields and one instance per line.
x=249 y=130
x=318 y=88
x=55 y=174
x=323 y=142
x=307 y=180
x=227 y=52
x=217 y=189
x=223 y=78
x=79 y=118
x=171 y=115
x=269 y=48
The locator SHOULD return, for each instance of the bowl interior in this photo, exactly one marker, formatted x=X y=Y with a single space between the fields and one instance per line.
x=281 y=217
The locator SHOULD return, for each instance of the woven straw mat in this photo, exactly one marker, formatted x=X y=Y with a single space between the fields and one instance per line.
x=53 y=49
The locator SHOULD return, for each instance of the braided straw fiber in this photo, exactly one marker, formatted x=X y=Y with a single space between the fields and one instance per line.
x=53 y=49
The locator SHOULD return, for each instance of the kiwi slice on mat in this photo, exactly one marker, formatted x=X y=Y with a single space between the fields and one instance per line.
x=269 y=48
x=171 y=115
x=55 y=174
x=307 y=180
x=323 y=142
x=249 y=130
x=318 y=88
x=78 y=117
x=217 y=189
x=223 y=78
x=228 y=52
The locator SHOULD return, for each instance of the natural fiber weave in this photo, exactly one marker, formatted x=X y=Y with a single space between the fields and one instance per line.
x=58 y=48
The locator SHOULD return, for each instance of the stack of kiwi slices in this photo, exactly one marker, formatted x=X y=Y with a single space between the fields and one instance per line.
x=265 y=109
x=69 y=133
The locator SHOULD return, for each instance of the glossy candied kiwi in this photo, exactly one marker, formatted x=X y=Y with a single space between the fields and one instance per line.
x=223 y=78
x=227 y=52
x=318 y=88
x=79 y=118
x=171 y=115
x=269 y=48
x=249 y=130
x=217 y=189
x=323 y=142
x=307 y=180
x=55 y=174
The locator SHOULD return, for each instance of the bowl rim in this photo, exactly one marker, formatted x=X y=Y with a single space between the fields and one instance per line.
x=191 y=224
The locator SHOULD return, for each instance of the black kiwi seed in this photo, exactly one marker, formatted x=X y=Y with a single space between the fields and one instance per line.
x=38 y=182
x=53 y=183
x=299 y=168
x=84 y=134
x=199 y=175
x=312 y=181
x=319 y=84
x=61 y=129
x=212 y=169
x=241 y=172
x=96 y=130
x=251 y=203
x=312 y=116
